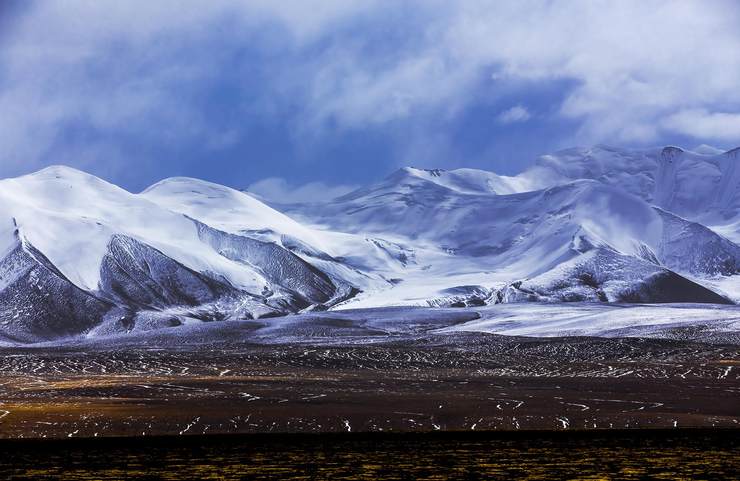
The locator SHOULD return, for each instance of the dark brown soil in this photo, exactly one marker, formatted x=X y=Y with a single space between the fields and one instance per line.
x=489 y=383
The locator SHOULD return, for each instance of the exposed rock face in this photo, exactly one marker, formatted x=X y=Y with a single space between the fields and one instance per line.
x=37 y=302
x=135 y=274
x=279 y=266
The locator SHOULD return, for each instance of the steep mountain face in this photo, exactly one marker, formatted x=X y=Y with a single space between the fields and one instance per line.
x=278 y=265
x=38 y=303
x=690 y=247
x=80 y=256
x=532 y=232
x=604 y=275
x=136 y=274
x=631 y=171
x=704 y=187
x=558 y=213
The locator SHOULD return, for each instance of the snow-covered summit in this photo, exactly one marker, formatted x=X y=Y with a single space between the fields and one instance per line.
x=699 y=186
x=222 y=207
x=569 y=202
x=458 y=181
x=464 y=181
x=81 y=256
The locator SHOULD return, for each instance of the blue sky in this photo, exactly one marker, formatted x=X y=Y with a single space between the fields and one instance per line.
x=309 y=98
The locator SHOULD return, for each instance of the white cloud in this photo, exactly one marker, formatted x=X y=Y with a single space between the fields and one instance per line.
x=132 y=67
x=701 y=123
x=514 y=115
x=631 y=63
x=279 y=190
x=636 y=69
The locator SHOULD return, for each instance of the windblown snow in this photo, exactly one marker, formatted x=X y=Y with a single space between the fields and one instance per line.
x=82 y=257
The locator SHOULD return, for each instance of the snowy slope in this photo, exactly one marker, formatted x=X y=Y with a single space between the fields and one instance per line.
x=37 y=302
x=224 y=208
x=345 y=258
x=606 y=320
x=71 y=216
x=701 y=186
x=80 y=256
x=605 y=275
x=485 y=238
x=129 y=254
x=529 y=233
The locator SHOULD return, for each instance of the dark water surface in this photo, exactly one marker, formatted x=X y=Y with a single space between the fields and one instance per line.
x=625 y=454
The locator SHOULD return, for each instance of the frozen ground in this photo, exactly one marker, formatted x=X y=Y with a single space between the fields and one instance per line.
x=386 y=369
x=421 y=382
x=697 y=322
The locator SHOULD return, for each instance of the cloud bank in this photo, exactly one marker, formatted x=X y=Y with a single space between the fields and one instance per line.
x=99 y=83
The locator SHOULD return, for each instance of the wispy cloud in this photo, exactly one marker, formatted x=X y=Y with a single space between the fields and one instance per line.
x=514 y=115
x=705 y=124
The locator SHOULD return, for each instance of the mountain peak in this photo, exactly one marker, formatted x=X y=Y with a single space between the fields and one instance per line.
x=670 y=152
x=705 y=149
x=62 y=172
x=431 y=172
x=733 y=152
x=410 y=171
x=189 y=183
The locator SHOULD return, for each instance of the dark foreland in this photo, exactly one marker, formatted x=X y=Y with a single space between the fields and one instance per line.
x=458 y=406
x=462 y=382
x=534 y=455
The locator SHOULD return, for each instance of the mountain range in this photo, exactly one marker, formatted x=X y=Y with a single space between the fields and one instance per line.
x=82 y=257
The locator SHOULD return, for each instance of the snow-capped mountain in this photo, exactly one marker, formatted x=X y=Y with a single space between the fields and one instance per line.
x=704 y=187
x=575 y=240
x=87 y=251
x=80 y=256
